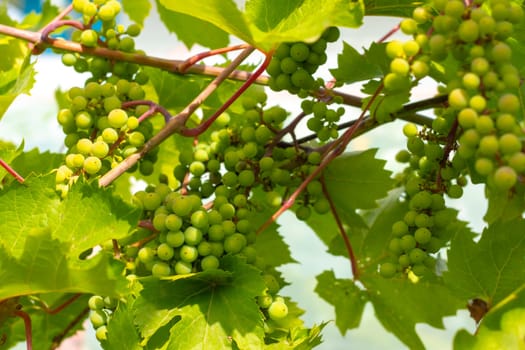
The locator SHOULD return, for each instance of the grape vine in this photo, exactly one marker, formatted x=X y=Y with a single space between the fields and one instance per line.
x=192 y=258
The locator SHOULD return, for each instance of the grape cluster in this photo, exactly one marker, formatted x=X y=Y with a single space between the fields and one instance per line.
x=477 y=132
x=293 y=64
x=100 y=130
x=101 y=309
x=324 y=119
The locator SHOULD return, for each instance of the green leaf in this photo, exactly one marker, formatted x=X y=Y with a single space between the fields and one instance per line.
x=504 y=206
x=357 y=180
x=137 y=10
x=45 y=266
x=353 y=66
x=21 y=84
x=400 y=304
x=34 y=162
x=214 y=307
x=277 y=21
x=222 y=13
x=8 y=152
x=348 y=299
x=490 y=269
x=299 y=339
x=265 y=24
x=122 y=333
x=88 y=217
x=191 y=30
x=393 y=8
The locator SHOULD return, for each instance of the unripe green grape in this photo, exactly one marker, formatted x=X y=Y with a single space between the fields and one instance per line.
x=109 y=135
x=175 y=238
x=408 y=242
x=244 y=226
x=209 y=262
x=468 y=31
x=484 y=125
x=117 y=118
x=517 y=162
x=83 y=120
x=278 y=310
x=419 y=69
x=92 y=165
x=505 y=178
x=98 y=318
x=246 y=178
x=331 y=34
x=395 y=246
x=478 y=103
x=199 y=219
x=399 y=66
x=106 y=13
x=234 y=243
x=100 y=149
x=421 y=15
x=422 y=235
x=161 y=269
x=403 y=156
x=136 y=92
x=423 y=220
x=89 y=38
x=458 y=99
x=299 y=52
x=408 y=26
x=151 y=201
x=421 y=200
x=509 y=144
x=399 y=228
x=501 y=52
x=438 y=48
x=488 y=145
x=410 y=130
x=395 y=82
x=188 y=253
x=508 y=103
x=467 y=118
x=74 y=160
x=181 y=206
x=515 y=13
x=417 y=256
x=183 y=268
x=96 y=302
x=454 y=8
x=387 y=270
x=394 y=49
x=302 y=79
x=455 y=191
x=484 y=166
x=471 y=81
x=480 y=66
x=165 y=252
x=192 y=236
x=133 y=30
x=303 y=213
x=404 y=261
x=411 y=48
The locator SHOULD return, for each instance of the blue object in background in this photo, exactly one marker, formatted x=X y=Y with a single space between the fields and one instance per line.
x=31 y=5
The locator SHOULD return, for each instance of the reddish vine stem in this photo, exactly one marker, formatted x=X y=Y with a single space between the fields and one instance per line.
x=342 y=231
x=194 y=59
x=154 y=108
x=176 y=123
x=60 y=337
x=12 y=171
x=27 y=325
x=389 y=34
x=59 y=17
x=207 y=123
x=330 y=154
x=60 y=307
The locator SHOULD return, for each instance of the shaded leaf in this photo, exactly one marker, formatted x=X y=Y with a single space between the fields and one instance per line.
x=137 y=10
x=353 y=66
x=490 y=269
x=394 y=8
x=348 y=299
x=191 y=30
x=357 y=180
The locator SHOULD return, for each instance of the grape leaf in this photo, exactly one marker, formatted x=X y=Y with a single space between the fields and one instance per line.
x=490 y=269
x=299 y=339
x=215 y=308
x=353 y=66
x=122 y=333
x=349 y=299
x=503 y=206
x=265 y=24
x=400 y=304
x=393 y=8
x=45 y=266
x=137 y=10
x=357 y=180
x=34 y=162
x=191 y=30
x=88 y=217
x=8 y=152
x=21 y=84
